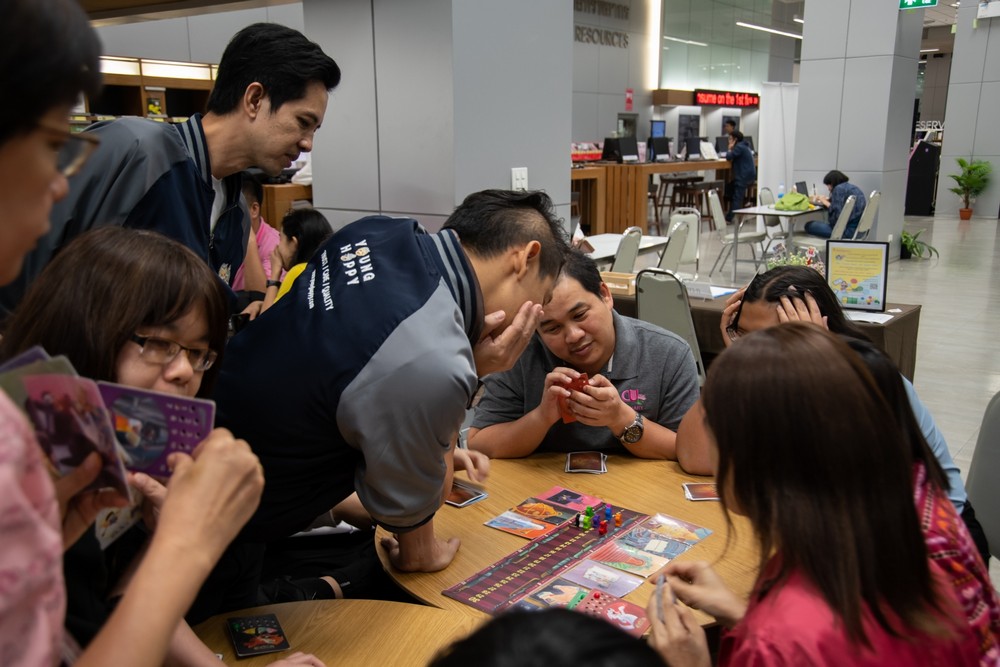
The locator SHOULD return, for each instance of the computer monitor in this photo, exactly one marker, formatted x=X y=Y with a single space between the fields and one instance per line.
x=657 y=128
x=620 y=149
x=722 y=144
x=659 y=148
x=747 y=138
x=692 y=145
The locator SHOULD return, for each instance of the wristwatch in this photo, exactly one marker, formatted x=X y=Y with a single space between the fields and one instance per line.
x=633 y=432
x=274 y=283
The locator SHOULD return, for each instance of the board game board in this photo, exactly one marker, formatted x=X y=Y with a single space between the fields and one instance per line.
x=496 y=587
x=640 y=546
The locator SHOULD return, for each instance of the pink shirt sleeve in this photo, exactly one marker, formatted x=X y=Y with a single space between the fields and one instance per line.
x=267 y=240
x=32 y=597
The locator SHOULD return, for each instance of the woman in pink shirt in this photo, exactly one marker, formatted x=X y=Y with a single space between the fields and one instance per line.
x=807 y=449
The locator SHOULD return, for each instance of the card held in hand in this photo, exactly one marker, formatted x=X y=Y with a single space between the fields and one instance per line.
x=149 y=425
x=256 y=635
x=575 y=385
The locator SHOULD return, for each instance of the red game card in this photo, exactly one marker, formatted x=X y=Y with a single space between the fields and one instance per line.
x=575 y=385
x=621 y=613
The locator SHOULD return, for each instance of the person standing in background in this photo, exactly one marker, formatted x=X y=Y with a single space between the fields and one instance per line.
x=184 y=180
x=743 y=170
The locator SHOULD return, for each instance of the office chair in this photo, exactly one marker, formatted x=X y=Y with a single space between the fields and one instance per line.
x=772 y=223
x=728 y=246
x=661 y=299
x=628 y=251
x=981 y=485
x=670 y=260
x=818 y=242
x=867 y=217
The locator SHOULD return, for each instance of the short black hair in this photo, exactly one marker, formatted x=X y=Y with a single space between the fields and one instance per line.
x=729 y=122
x=549 y=638
x=279 y=58
x=835 y=178
x=492 y=221
x=583 y=270
x=737 y=135
x=310 y=227
x=253 y=191
x=49 y=54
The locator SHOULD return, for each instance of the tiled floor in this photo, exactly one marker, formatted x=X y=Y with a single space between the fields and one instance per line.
x=958 y=355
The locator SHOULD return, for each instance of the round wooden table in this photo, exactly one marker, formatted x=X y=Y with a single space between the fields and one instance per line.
x=649 y=487
x=350 y=632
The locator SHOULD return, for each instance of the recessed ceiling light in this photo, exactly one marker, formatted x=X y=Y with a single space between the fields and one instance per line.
x=798 y=20
x=929 y=50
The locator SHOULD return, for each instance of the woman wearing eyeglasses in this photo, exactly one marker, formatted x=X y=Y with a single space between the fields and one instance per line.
x=137 y=308
x=48 y=56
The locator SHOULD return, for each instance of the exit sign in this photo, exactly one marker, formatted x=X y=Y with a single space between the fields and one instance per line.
x=917 y=4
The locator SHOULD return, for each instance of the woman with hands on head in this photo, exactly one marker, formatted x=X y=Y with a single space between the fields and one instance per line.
x=800 y=293
x=137 y=308
x=844 y=574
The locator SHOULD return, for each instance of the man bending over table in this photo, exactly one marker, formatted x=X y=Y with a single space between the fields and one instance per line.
x=641 y=380
x=360 y=377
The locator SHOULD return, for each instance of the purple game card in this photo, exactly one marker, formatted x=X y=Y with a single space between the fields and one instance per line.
x=71 y=422
x=150 y=425
x=31 y=355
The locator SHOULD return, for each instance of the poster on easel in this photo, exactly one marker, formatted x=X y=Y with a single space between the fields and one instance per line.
x=856 y=272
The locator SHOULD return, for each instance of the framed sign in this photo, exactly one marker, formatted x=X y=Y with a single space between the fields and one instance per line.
x=856 y=272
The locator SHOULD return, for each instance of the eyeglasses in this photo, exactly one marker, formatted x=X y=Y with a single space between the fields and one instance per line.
x=75 y=149
x=733 y=330
x=161 y=351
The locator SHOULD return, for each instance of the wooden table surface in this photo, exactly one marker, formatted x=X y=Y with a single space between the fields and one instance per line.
x=649 y=487
x=369 y=633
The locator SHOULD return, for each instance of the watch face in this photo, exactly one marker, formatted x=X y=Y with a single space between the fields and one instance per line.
x=633 y=433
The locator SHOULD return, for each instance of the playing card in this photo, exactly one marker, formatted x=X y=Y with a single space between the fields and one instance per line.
x=574 y=385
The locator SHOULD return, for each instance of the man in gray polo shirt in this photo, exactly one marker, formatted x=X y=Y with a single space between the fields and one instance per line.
x=642 y=380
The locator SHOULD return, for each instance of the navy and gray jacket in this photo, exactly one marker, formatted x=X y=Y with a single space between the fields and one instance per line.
x=146 y=175
x=358 y=378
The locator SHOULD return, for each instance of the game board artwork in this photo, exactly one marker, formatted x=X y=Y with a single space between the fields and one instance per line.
x=496 y=587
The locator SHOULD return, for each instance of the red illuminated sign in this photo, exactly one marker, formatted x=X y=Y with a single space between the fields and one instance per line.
x=725 y=98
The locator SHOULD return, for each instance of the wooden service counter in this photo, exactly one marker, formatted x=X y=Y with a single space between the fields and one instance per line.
x=626 y=190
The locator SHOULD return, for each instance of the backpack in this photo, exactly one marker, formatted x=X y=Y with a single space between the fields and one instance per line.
x=793 y=201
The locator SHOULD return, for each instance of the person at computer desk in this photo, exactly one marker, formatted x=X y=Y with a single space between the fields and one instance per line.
x=743 y=170
x=642 y=380
x=840 y=190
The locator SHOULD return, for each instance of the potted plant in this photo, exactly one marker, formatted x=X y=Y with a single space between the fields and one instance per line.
x=910 y=245
x=970 y=183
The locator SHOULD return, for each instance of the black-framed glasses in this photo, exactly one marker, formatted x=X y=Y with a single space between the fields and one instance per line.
x=162 y=351
x=733 y=330
x=75 y=149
